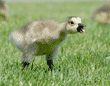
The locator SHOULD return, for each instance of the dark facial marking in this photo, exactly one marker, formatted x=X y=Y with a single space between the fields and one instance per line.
x=72 y=22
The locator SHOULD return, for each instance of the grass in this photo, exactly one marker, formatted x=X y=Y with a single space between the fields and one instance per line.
x=81 y=57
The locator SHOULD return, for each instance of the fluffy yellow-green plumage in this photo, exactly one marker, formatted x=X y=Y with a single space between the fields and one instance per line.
x=102 y=14
x=43 y=37
x=3 y=10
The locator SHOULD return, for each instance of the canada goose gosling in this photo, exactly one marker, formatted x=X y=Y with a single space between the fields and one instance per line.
x=42 y=37
x=3 y=9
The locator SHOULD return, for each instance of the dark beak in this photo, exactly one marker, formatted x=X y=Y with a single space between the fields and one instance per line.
x=82 y=25
x=80 y=28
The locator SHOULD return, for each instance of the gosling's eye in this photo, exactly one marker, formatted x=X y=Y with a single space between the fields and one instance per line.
x=72 y=22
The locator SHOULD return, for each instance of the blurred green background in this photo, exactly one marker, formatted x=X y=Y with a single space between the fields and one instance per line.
x=81 y=57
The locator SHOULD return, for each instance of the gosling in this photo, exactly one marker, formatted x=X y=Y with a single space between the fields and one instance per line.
x=102 y=14
x=3 y=10
x=42 y=37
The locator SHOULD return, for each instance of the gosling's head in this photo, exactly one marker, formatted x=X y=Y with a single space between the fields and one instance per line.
x=74 y=25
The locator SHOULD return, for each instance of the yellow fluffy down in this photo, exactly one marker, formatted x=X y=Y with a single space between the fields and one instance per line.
x=101 y=17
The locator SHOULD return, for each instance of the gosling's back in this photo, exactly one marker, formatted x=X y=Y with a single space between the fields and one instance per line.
x=44 y=31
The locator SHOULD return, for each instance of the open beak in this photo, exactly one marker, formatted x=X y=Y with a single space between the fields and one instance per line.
x=80 y=28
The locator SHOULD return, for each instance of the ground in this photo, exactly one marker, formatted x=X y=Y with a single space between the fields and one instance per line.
x=81 y=57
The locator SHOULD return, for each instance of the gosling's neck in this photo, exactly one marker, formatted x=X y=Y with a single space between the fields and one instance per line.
x=63 y=30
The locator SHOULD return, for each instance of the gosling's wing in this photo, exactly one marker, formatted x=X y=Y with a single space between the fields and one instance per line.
x=41 y=31
x=17 y=36
x=101 y=14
